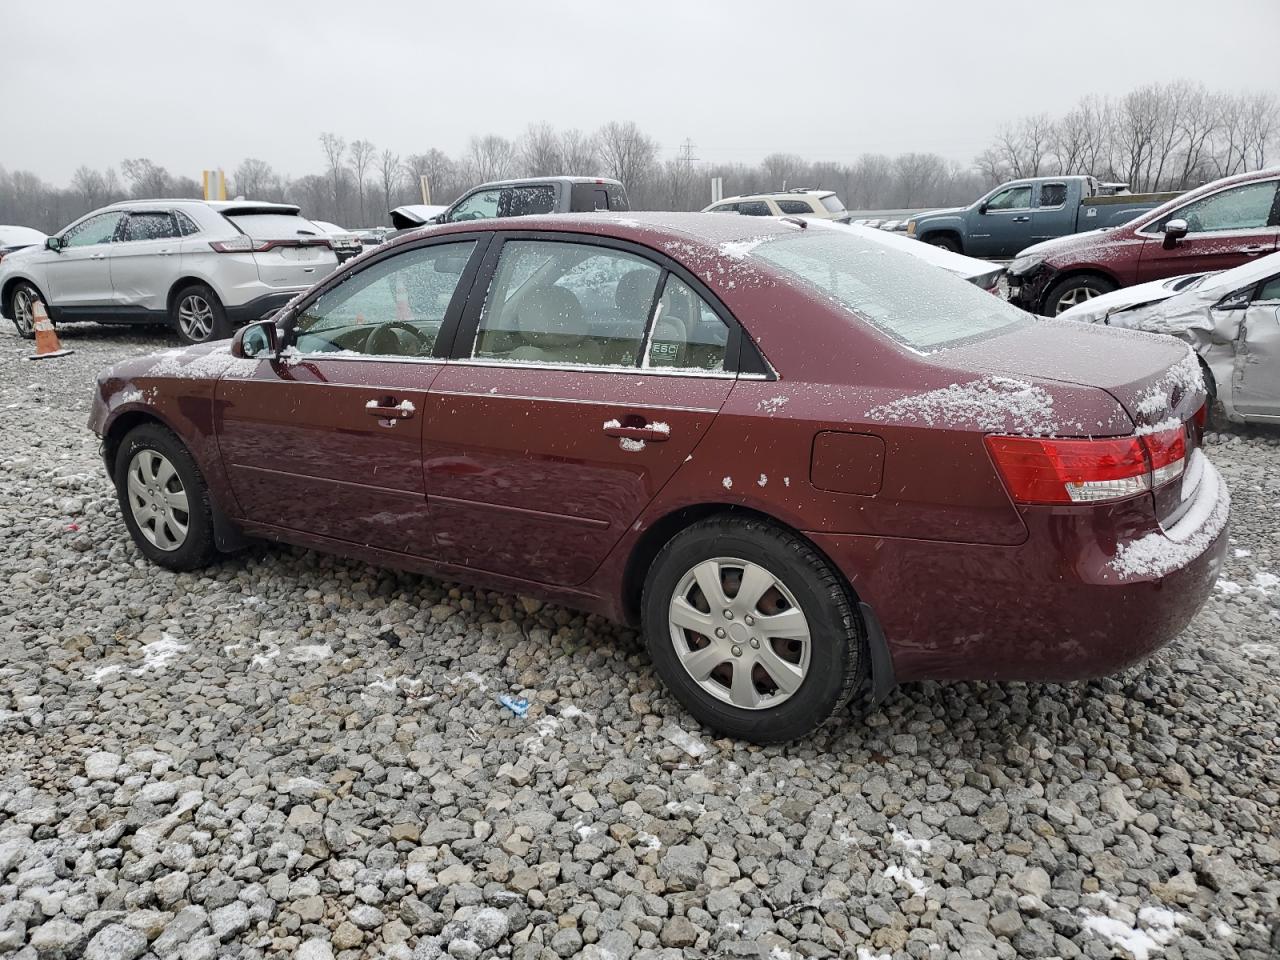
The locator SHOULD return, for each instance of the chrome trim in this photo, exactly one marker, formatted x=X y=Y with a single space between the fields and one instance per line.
x=593 y=368
x=595 y=403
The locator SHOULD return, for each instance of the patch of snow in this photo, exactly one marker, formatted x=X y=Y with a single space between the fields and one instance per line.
x=904 y=876
x=648 y=840
x=763 y=480
x=865 y=954
x=727 y=482
x=1229 y=587
x=777 y=953
x=612 y=424
x=1239 y=553
x=217 y=363
x=909 y=843
x=684 y=740
x=741 y=249
x=129 y=396
x=1172 y=423
x=311 y=652
x=660 y=426
x=773 y=404
x=156 y=655
x=1159 y=554
x=1265 y=581
x=630 y=444
x=993 y=403
x=103 y=672
x=786 y=481
x=1184 y=375
x=1155 y=929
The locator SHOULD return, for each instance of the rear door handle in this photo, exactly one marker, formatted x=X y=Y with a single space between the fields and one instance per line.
x=1021 y=219
x=1254 y=248
x=389 y=409
x=97 y=256
x=652 y=432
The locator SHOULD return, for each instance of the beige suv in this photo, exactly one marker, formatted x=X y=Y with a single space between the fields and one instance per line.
x=793 y=203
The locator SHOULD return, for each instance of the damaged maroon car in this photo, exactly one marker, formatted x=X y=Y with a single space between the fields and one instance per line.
x=798 y=460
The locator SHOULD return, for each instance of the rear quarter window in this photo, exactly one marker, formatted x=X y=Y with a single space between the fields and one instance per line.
x=915 y=303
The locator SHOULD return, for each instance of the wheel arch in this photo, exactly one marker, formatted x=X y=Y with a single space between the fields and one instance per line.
x=951 y=233
x=181 y=284
x=6 y=293
x=665 y=528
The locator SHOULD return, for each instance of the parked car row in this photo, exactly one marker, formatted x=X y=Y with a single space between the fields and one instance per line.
x=798 y=457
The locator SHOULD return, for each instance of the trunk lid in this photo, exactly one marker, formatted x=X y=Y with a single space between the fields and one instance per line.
x=1156 y=379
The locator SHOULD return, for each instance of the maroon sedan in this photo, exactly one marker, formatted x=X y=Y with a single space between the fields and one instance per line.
x=1215 y=227
x=799 y=459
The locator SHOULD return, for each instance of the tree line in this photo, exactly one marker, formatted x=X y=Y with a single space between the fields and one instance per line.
x=1158 y=137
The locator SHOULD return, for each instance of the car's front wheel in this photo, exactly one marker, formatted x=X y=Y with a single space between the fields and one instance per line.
x=944 y=241
x=164 y=499
x=752 y=630
x=198 y=315
x=22 y=303
x=1074 y=291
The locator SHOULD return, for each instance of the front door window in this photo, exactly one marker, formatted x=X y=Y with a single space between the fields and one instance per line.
x=1246 y=207
x=481 y=205
x=1011 y=198
x=95 y=230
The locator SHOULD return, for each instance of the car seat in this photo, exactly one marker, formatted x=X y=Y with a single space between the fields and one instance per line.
x=552 y=326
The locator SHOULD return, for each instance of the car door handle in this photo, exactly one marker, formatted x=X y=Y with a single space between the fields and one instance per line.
x=651 y=432
x=1021 y=219
x=165 y=253
x=1254 y=248
x=389 y=409
x=97 y=256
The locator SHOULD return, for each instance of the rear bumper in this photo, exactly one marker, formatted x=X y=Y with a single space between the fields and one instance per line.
x=1064 y=605
x=259 y=308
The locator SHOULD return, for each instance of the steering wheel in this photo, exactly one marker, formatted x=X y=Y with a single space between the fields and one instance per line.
x=386 y=335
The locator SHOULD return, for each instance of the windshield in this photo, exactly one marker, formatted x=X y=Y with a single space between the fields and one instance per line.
x=912 y=301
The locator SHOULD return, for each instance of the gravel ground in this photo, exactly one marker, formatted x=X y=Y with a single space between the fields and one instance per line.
x=295 y=755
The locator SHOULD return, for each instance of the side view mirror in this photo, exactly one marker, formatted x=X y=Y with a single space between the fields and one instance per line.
x=982 y=207
x=53 y=243
x=257 y=341
x=1174 y=231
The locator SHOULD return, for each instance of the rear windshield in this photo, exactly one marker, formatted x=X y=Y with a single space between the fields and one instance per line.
x=274 y=226
x=912 y=301
x=832 y=203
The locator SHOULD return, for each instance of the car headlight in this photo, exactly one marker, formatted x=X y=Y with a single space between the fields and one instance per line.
x=911 y=228
x=1025 y=264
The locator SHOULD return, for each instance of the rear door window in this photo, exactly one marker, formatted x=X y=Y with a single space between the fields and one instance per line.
x=1053 y=194
x=687 y=334
x=150 y=226
x=795 y=206
x=527 y=201
x=754 y=208
x=567 y=303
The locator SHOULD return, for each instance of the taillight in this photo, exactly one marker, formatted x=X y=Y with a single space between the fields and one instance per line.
x=248 y=245
x=1051 y=470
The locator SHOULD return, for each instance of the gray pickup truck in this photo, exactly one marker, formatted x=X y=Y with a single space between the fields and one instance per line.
x=1021 y=212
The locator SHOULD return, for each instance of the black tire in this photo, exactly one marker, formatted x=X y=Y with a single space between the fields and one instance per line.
x=197 y=548
x=1075 y=290
x=944 y=241
x=203 y=323
x=838 y=659
x=24 y=292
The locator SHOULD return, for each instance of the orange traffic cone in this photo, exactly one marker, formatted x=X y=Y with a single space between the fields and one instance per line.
x=47 y=344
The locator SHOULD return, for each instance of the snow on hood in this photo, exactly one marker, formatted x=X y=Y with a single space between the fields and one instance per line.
x=12 y=236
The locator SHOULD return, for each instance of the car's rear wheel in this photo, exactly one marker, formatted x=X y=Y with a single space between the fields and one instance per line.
x=22 y=308
x=1073 y=291
x=198 y=315
x=164 y=499
x=943 y=241
x=751 y=630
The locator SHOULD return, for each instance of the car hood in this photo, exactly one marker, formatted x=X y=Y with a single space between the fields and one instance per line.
x=943 y=212
x=1068 y=244
x=21 y=255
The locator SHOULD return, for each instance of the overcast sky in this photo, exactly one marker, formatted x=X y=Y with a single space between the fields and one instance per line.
x=198 y=85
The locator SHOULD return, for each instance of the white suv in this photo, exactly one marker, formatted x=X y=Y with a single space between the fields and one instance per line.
x=821 y=204
x=204 y=267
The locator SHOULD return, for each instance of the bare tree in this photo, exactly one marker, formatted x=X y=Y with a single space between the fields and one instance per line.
x=389 y=169
x=578 y=154
x=626 y=154
x=917 y=175
x=362 y=153
x=783 y=170
x=1199 y=122
x=146 y=179
x=253 y=178
x=440 y=171
x=540 y=151
x=90 y=185
x=490 y=157
x=335 y=150
x=1262 y=120
x=871 y=176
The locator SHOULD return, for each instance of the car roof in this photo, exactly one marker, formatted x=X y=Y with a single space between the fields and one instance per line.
x=222 y=206
x=780 y=195
x=520 y=181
